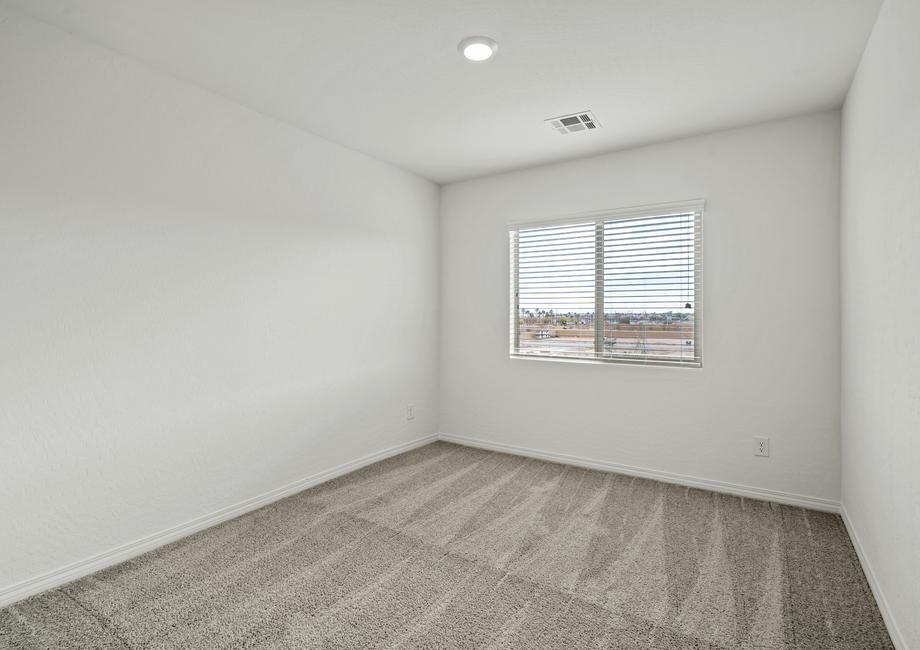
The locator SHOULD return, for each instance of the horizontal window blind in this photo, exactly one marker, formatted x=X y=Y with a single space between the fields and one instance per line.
x=621 y=286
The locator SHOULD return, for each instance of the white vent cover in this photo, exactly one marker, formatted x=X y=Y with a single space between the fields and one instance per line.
x=581 y=121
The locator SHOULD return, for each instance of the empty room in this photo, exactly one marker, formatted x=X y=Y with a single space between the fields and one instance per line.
x=355 y=324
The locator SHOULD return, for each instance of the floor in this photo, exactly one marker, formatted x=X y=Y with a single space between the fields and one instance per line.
x=453 y=547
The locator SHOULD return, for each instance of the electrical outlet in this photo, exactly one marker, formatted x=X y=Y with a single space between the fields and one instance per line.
x=761 y=446
x=410 y=412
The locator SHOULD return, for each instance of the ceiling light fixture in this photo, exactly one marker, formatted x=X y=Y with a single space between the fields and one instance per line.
x=477 y=48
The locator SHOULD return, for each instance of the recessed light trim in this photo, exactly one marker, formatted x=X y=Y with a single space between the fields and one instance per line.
x=477 y=48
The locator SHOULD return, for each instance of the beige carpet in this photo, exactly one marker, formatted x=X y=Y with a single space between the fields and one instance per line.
x=450 y=547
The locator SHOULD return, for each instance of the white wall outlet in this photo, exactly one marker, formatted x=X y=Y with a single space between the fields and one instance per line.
x=410 y=412
x=761 y=446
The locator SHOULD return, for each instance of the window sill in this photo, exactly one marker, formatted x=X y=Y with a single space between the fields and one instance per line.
x=698 y=365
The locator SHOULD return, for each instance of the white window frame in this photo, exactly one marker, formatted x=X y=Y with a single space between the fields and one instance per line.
x=696 y=207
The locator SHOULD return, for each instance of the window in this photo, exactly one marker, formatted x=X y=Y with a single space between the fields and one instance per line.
x=622 y=286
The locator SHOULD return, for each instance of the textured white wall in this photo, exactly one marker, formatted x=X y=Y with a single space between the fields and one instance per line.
x=199 y=304
x=771 y=313
x=880 y=267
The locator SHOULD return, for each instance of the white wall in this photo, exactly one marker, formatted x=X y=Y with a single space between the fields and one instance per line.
x=199 y=304
x=771 y=313
x=880 y=267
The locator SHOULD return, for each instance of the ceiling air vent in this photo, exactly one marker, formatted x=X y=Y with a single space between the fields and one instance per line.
x=582 y=121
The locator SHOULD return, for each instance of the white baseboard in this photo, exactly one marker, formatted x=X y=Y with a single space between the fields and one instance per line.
x=893 y=630
x=81 y=568
x=75 y=570
x=813 y=503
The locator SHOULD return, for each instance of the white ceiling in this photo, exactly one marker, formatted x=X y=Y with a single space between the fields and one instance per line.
x=384 y=76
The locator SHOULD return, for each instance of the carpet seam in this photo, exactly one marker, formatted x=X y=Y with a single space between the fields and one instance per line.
x=787 y=605
x=102 y=620
x=562 y=591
